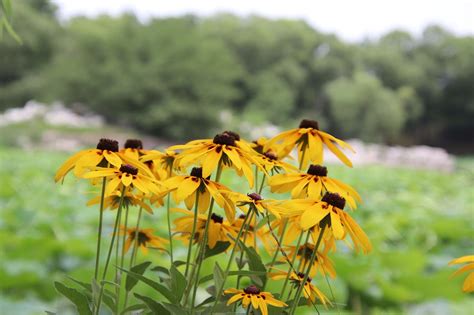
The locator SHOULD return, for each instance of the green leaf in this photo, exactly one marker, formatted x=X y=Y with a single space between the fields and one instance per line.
x=10 y=30
x=175 y=309
x=155 y=285
x=95 y=291
x=178 y=282
x=108 y=297
x=140 y=269
x=85 y=285
x=7 y=8
x=154 y=306
x=76 y=297
x=219 y=248
x=218 y=276
x=233 y=273
x=135 y=307
x=256 y=264
x=178 y=263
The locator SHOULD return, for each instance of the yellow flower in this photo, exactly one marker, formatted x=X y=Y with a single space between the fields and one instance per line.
x=186 y=187
x=144 y=239
x=218 y=228
x=310 y=291
x=313 y=184
x=322 y=264
x=224 y=147
x=253 y=202
x=253 y=296
x=162 y=164
x=315 y=213
x=106 y=152
x=270 y=161
x=133 y=149
x=309 y=138
x=126 y=176
x=112 y=201
x=468 y=285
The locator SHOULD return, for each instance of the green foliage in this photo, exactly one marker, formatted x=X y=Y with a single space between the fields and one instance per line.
x=361 y=107
x=173 y=77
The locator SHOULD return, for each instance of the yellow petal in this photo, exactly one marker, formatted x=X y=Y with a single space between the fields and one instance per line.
x=126 y=179
x=233 y=156
x=315 y=147
x=463 y=259
x=112 y=186
x=68 y=165
x=263 y=306
x=234 y=298
x=312 y=216
x=468 y=285
x=210 y=162
x=186 y=188
x=314 y=188
x=112 y=158
x=336 y=225
x=337 y=152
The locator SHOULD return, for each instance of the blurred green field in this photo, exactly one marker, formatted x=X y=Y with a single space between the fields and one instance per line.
x=417 y=220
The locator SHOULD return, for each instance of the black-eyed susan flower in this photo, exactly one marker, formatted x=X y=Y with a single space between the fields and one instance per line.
x=194 y=186
x=218 y=231
x=322 y=264
x=468 y=285
x=162 y=164
x=310 y=140
x=144 y=239
x=224 y=148
x=106 y=152
x=270 y=161
x=133 y=149
x=253 y=202
x=313 y=184
x=252 y=296
x=329 y=211
x=125 y=176
x=310 y=291
x=113 y=201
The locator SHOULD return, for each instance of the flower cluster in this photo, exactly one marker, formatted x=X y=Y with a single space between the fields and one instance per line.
x=190 y=185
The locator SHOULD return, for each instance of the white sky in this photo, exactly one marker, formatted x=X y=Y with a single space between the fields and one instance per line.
x=350 y=19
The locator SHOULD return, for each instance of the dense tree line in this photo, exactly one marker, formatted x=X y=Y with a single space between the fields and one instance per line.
x=175 y=77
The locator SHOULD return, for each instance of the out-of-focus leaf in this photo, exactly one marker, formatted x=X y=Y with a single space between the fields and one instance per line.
x=219 y=248
x=140 y=269
x=154 y=306
x=76 y=297
x=178 y=282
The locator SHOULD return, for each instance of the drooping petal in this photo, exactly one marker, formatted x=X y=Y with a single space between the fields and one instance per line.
x=187 y=188
x=336 y=225
x=312 y=216
x=112 y=158
x=337 y=152
x=68 y=165
x=127 y=179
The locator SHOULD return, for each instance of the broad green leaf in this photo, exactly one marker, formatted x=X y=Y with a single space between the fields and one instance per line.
x=256 y=264
x=154 y=306
x=178 y=282
x=219 y=248
x=135 y=307
x=218 y=276
x=76 y=297
x=140 y=269
x=155 y=285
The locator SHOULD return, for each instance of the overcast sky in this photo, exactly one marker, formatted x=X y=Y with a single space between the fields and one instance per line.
x=351 y=20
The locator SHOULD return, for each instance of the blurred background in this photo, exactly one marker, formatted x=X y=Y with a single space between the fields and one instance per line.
x=396 y=78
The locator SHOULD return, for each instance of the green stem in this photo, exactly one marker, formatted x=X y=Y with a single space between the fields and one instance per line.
x=292 y=263
x=280 y=241
x=191 y=237
x=134 y=250
x=306 y=276
x=99 y=232
x=122 y=258
x=168 y=215
x=242 y=252
x=109 y=254
x=229 y=263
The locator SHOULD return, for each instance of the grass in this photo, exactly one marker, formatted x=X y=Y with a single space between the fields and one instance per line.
x=417 y=221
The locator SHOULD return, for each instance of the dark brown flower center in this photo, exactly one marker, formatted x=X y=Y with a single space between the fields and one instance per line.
x=217 y=218
x=242 y=216
x=133 y=144
x=252 y=289
x=108 y=144
x=127 y=168
x=224 y=138
x=258 y=147
x=235 y=135
x=306 y=251
x=301 y=276
x=271 y=155
x=306 y=123
x=335 y=200
x=317 y=170
x=255 y=196
x=196 y=172
x=142 y=238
